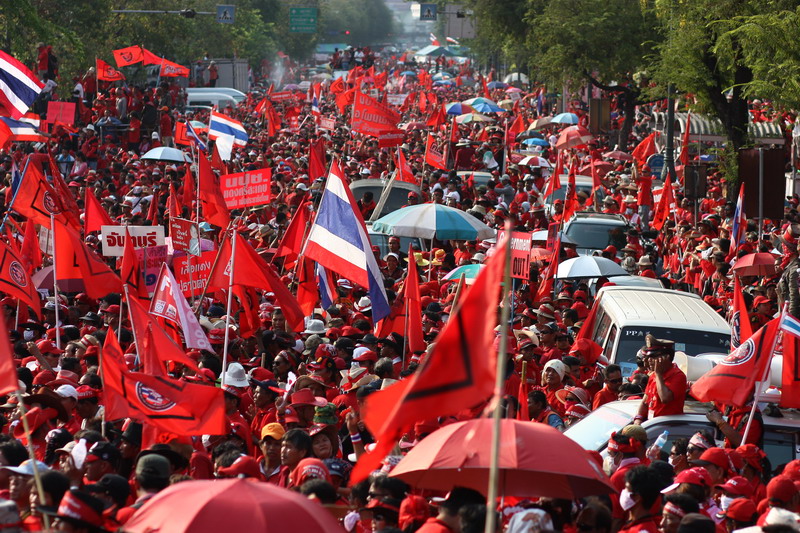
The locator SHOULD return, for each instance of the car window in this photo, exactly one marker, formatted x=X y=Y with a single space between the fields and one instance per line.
x=779 y=447
x=596 y=234
x=381 y=240
x=603 y=323
x=691 y=342
x=562 y=192
x=608 y=349
x=592 y=432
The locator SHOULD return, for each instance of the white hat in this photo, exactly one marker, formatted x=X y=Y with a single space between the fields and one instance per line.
x=363 y=305
x=299 y=346
x=479 y=257
x=67 y=391
x=645 y=261
x=235 y=376
x=302 y=186
x=315 y=327
x=344 y=283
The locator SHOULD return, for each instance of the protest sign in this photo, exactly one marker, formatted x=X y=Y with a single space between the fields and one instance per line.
x=246 y=189
x=113 y=238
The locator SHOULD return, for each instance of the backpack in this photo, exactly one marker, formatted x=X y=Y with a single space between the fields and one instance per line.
x=52 y=63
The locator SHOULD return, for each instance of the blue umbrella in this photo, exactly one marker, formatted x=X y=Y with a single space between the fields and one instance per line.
x=496 y=85
x=565 y=118
x=441 y=76
x=457 y=108
x=470 y=272
x=408 y=73
x=486 y=107
x=427 y=221
x=536 y=142
x=449 y=83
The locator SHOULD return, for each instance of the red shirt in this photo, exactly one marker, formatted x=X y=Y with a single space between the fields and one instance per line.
x=603 y=396
x=675 y=380
x=646 y=524
x=434 y=525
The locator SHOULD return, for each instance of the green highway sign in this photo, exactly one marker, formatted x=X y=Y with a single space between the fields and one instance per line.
x=303 y=19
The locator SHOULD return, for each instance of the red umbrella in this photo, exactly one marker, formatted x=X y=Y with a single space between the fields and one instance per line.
x=413 y=126
x=618 y=155
x=602 y=168
x=541 y=254
x=573 y=136
x=230 y=505
x=535 y=460
x=758 y=264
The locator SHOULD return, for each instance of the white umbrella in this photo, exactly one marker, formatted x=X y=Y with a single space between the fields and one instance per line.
x=427 y=221
x=589 y=267
x=165 y=153
x=535 y=161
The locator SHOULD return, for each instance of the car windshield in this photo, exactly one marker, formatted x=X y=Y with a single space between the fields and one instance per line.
x=596 y=235
x=561 y=193
x=381 y=240
x=593 y=432
x=691 y=342
x=398 y=197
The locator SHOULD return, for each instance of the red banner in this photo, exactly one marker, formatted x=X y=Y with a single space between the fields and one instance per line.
x=434 y=157
x=281 y=96
x=371 y=117
x=63 y=112
x=390 y=139
x=173 y=70
x=200 y=271
x=246 y=188
x=326 y=123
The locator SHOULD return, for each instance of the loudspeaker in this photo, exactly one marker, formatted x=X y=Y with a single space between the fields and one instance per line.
x=774 y=181
x=695 y=180
x=599 y=115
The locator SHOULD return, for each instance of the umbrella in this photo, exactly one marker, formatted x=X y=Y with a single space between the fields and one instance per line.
x=43 y=279
x=413 y=126
x=534 y=460
x=527 y=134
x=165 y=153
x=602 y=168
x=573 y=136
x=291 y=87
x=540 y=123
x=541 y=254
x=470 y=272
x=487 y=107
x=535 y=160
x=758 y=264
x=408 y=73
x=478 y=100
x=566 y=118
x=445 y=83
x=589 y=266
x=468 y=118
x=230 y=505
x=513 y=90
x=441 y=76
x=496 y=85
x=516 y=76
x=427 y=221
x=618 y=155
x=506 y=104
x=197 y=125
x=321 y=76
x=535 y=141
x=457 y=108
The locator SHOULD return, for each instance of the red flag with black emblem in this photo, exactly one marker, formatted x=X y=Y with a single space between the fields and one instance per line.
x=128 y=56
x=176 y=406
x=458 y=374
x=15 y=280
x=733 y=380
x=36 y=199
x=741 y=329
x=106 y=72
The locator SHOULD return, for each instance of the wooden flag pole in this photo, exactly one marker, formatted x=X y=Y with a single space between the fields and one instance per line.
x=505 y=314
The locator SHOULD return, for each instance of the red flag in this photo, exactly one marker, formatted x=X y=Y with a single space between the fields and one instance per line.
x=433 y=156
x=8 y=370
x=741 y=329
x=307 y=288
x=645 y=149
x=666 y=205
x=163 y=347
x=404 y=172
x=522 y=397
x=337 y=86
x=595 y=177
x=181 y=136
x=168 y=404
x=252 y=271
x=517 y=127
x=149 y=58
x=249 y=321
x=437 y=118
x=571 y=204
x=684 y=159
x=486 y=93
x=173 y=204
x=189 y=195
x=790 y=374
x=72 y=212
x=16 y=282
x=106 y=72
x=733 y=380
x=95 y=216
x=131 y=270
x=168 y=303
x=344 y=99
x=214 y=209
x=128 y=56
x=292 y=242
x=30 y=253
x=413 y=302
x=173 y=70
x=73 y=254
x=36 y=199
x=152 y=211
x=317 y=167
x=546 y=285
x=217 y=163
x=457 y=375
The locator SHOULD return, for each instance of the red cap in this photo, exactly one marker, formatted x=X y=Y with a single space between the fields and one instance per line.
x=758 y=300
x=306 y=397
x=741 y=510
x=367 y=355
x=781 y=488
x=85 y=392
x=753 y=456
x=244 y=465
x=737 y=485
x=309 y=468
x=792 y=468
x=46 y=346
x=714 y=456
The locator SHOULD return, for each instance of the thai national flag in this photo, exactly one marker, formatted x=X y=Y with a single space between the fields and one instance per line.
x=21 y=131
x=790 y=324
x=224 y=126
x=195 y=138
x=327 y=292
x=338 y=241
x=16 y=178
x=739 y=221
x=18 y=86
x=451 y=40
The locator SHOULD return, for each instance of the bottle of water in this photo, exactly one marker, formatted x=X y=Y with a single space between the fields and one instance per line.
x=661 y=441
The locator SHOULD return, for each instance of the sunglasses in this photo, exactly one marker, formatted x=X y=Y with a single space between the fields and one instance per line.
x=617 y=380
x=695 y=449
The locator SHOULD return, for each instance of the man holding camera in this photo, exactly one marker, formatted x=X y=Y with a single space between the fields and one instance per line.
x=666 y=387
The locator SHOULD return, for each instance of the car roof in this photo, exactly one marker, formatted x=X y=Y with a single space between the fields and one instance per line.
x=592 y=216
x=637 y=306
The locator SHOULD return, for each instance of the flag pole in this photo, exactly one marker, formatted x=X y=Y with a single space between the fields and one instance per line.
x=230 y=304
x=757 y=391
x=37 y=477
x=494 y=471
x=55 y=279
x=213 y=266
x=138 y=361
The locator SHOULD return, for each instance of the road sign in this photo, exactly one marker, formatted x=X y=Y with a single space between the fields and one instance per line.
x=427 y=12
x=226 y=14
x=656 y=164
x=303 y=19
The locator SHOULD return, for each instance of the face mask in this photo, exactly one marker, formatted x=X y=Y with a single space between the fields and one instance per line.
x=626 y=501
x=629 y=211
x=28 y=334
x=609 y=465
x=673 y=460
x=725 y=502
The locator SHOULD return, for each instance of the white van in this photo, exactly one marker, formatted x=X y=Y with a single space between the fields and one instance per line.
x=237 y=95
x=210 y=99
x=627 y=314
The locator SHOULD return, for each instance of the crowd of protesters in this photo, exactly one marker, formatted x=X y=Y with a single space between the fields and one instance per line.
x=293 y=398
